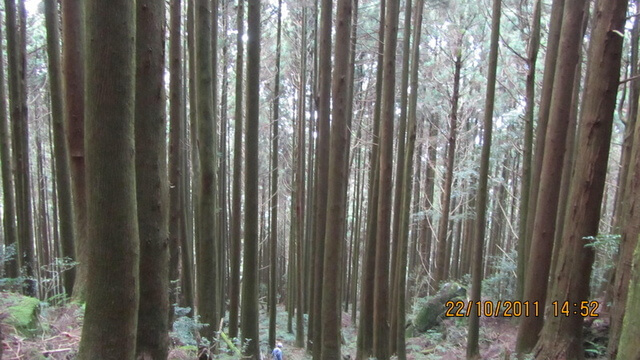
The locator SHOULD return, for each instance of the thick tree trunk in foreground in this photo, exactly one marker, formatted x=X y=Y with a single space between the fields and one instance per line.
x=561 y=336
x=322 y=150
x=111 y=201
x=250 y=306
x=8 y=198
x=547 y=199
x=151 y=181
x=206 y=205
x=336 y=200
x=383 y=234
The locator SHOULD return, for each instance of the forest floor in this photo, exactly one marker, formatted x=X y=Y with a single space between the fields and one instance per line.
x=59 y=330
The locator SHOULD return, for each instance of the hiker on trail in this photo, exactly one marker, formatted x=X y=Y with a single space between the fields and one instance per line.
x=277 y=352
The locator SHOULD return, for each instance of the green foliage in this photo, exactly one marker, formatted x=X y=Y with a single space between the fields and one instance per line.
x=185 y=328
x=606 y=247
x=501 y=284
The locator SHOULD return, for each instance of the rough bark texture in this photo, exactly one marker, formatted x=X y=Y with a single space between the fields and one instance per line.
x=20 y=135
x=236 y=190
x=250 y=306
x=8 y=198
x=383 y=234
x=111 y=198
x=562 y=336
x=322 y=149
x=532 y=56
x=628 y=344
x=365 y=326
x=398 y=331
x=206 y=204
x=151 y=181
x=336 y=200
x=547 y=198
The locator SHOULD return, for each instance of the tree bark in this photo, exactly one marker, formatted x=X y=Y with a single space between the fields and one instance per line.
x=250 y=306
x=73 y=50
x=111 y=198
x=547 y=199
x=236 y=190
x=151 y=181
x=473 y=350
x=562 y=336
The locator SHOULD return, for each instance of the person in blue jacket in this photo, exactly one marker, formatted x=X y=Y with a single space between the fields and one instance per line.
x=277 y=352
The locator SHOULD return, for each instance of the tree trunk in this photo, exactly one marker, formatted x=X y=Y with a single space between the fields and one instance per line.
x=236 y=190
x=206 y=207
x=547 y=199
x=176 y=187
x=562 y=336
x=73 y=50
x=532 y=56
x=8 y=198
x=628 y=346
x=383 y=233
x=151 y=181
x=337 y=178
x=473 y=350
x=111 y=197
x=273 y=241
x=322 y=150
x=250 y=306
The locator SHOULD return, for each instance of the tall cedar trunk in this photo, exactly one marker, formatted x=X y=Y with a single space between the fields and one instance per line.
x=63 y=181
x=629 y=133
x=250 y=306
x=273 y=241
x=222 y=197
x=191 y=162
x=383 y=233
x=399 y=290
x=236 y=190
x=365 y=327
x=443 y=223
x=623 y=288
x=322 y=151
x=111 y=198
x=151 y=181
x=532 y=57
x=547 y=91
x=628 y=344
x=400 y=174
x=176 y=186
x=473 y=350
x=562 y=336
x=547 y=199
x=73 y=23
x=300 y=192
x=20 y=137
x=205 y=227
x=8 y=199
x=627 y=206
x=336 y=200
